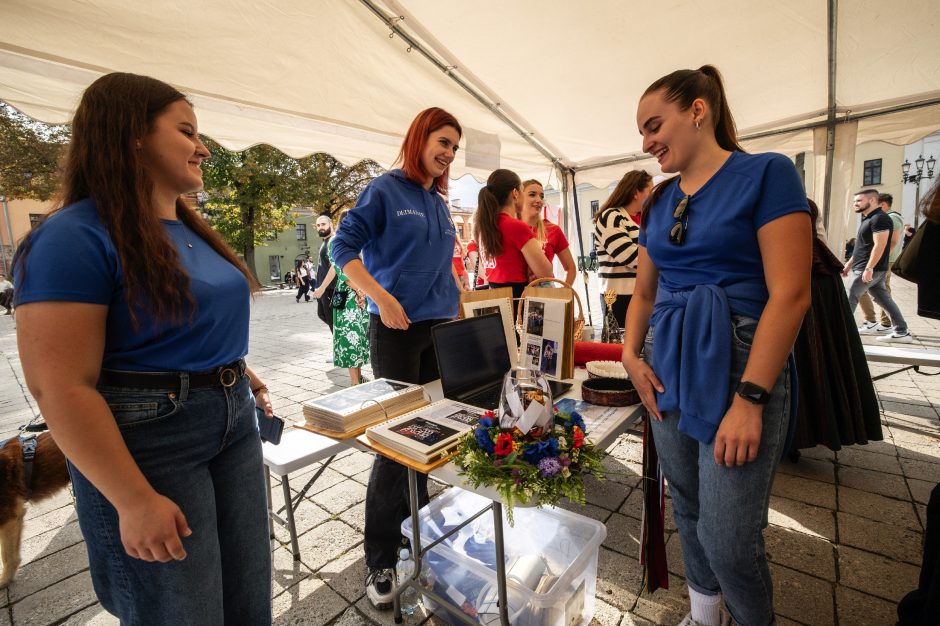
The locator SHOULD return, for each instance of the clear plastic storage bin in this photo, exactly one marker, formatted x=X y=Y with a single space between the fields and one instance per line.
x=551 y=562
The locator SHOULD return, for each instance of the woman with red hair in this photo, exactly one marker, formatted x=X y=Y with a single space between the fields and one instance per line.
x=402 y=228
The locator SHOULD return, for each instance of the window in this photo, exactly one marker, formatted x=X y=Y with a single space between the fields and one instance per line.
x=871 y=173
x=274 y=263
x=34 y=219
x=595 y=205
x=301 y=232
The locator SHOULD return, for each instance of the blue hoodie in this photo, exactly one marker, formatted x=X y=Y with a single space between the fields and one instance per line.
x=406 y=237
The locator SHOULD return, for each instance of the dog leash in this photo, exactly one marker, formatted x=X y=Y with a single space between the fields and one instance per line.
x=29 y=455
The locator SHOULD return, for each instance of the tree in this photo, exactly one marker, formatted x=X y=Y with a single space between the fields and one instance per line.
x=29 y=155
x=250 y=196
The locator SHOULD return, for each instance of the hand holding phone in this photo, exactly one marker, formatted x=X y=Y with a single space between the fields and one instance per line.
x=270 y=428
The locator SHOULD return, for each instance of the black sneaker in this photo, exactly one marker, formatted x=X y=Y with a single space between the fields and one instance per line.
x=380 y=588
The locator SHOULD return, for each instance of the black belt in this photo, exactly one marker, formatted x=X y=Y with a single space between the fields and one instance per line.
x=224 y=376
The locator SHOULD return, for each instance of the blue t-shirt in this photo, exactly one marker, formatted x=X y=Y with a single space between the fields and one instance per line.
x=720 y=246
x=72 y=259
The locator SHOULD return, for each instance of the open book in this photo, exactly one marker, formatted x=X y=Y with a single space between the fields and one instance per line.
x=428 y=433
x=349 y=410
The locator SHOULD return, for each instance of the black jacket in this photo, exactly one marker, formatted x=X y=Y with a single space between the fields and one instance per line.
x=928 y=268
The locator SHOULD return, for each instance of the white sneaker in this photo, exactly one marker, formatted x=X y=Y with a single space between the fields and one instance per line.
x=896 y=337
x=872 y=328
x=380 y=588
x=881 y=328
x=688 y=621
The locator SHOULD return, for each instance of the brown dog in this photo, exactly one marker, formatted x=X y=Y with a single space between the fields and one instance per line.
x=49 y=476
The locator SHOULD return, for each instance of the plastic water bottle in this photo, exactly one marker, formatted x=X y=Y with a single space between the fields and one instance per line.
x=405 y=570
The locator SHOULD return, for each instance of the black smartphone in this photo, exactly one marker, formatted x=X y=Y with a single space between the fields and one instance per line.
x=270 y=429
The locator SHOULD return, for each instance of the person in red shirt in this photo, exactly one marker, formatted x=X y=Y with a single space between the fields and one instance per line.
x=506 y=239
x=553 y=240
x=458 y=264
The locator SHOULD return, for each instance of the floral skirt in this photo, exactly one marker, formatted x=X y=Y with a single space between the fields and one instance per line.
x=350 y=333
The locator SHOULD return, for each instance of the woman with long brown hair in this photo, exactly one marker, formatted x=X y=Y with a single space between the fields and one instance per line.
x=616 y=238
x=723 y=281
x=550 y=236
x=506 y=239
x=132 y=329
x=404 y=232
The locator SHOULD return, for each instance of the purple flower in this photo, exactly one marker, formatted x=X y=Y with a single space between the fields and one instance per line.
x=483 y=440
x=549 y=467
x=514 y=472
x=497 y=462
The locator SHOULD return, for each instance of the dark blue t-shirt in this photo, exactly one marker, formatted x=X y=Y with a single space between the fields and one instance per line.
x=72 y=259
x=721 y=247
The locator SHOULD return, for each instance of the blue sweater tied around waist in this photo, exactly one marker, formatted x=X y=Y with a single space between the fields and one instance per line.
x=692 y=352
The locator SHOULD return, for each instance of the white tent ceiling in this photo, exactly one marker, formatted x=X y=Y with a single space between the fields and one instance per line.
x=324 y=75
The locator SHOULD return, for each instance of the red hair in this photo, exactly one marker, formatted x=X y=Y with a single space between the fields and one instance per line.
x=421 y=128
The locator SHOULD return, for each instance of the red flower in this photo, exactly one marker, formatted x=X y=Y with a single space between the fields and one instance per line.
x=578 y=437
x=503 y=444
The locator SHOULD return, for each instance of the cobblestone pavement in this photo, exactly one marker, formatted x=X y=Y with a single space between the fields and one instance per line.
x=844 y=539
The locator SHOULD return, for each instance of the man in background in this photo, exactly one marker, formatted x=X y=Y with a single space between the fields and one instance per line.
x=326 y=275
x=870 y=326
x=869 y=263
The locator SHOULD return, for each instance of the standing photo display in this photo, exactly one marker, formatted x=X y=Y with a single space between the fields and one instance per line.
x=547 y=331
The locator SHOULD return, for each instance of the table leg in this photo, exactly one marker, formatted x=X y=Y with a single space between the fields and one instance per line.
x=415 y=542
x=500 y=562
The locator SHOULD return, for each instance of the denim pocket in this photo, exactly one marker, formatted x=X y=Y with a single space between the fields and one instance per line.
x=742 y=330
x=137 y=409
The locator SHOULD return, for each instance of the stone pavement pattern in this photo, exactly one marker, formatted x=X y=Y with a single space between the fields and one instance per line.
x=844 y=539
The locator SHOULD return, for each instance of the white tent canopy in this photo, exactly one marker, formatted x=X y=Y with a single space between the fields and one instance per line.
x=544 y=87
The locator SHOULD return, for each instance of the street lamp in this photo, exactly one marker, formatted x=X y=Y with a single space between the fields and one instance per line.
x=916 y=177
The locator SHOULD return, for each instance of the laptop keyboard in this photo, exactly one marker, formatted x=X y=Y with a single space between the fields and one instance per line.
x=485 y=399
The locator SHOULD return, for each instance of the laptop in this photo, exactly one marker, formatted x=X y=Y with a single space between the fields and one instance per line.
x=473 y=358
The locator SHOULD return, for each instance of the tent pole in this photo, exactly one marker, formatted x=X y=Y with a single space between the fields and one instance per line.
x=833 y=17
x=584 y=273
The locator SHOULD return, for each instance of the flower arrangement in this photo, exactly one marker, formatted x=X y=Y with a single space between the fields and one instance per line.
x=541 y=466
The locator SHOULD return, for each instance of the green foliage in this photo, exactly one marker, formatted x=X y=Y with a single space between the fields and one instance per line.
x=29 y=155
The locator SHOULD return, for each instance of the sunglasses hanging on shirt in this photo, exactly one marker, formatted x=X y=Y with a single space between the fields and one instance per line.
x=680 y=228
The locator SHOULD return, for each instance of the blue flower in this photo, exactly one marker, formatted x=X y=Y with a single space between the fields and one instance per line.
x=535 y=452
x=549 y=467
x=486 y=422
x=577 y=420
x=483 y=440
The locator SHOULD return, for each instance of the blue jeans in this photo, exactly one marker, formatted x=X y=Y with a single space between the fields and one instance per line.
x=200 y=448
x=880 y=294
x=721 y=512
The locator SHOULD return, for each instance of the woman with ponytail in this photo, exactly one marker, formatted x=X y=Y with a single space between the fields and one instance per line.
x=723 y=281
x=506 y=239
x=404 y=232
x=132 y=323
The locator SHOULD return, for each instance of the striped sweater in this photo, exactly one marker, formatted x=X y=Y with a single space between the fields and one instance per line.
x=615 y=238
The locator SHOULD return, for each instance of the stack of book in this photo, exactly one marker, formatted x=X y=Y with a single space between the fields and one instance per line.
x=428 y=433
x=349 y=411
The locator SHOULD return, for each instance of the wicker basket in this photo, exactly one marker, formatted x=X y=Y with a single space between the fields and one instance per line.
x=579 y=316
x=609 y=392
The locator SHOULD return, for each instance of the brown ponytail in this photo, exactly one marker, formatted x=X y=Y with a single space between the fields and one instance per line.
x=631 y=183
x=490 y=203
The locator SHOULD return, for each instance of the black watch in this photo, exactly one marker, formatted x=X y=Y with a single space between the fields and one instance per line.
x=755 y=394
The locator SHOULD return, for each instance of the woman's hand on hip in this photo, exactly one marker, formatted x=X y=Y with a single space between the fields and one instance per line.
x=738 y=438
x=151 y=529
x=392 y=313
x=645 y=382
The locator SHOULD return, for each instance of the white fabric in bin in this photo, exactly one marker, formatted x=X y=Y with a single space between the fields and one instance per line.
x=298 y=449
x=551 y=561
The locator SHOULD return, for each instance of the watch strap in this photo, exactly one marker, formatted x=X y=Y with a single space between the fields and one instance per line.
x=755 y=394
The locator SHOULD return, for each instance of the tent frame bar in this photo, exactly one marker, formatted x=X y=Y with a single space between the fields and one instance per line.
x=833 y=18
x=392 y=24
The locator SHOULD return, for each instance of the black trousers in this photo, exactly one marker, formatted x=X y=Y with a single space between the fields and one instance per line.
x=303 y=289
x=408 y=356
x=325 y=309
x=916 y=608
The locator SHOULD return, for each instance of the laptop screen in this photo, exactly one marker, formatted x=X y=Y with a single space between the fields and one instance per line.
x=470 y=353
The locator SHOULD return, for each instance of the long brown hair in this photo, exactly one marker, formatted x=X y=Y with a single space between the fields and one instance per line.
x=931 y=204
x=493 y=197
x=426 y=122
x=685 y=86
x=103 y=163
x=632 y=183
